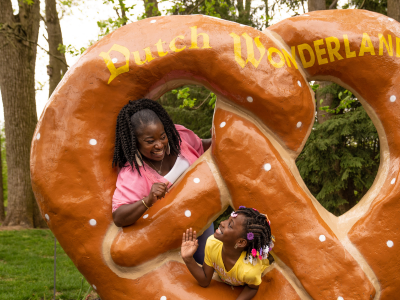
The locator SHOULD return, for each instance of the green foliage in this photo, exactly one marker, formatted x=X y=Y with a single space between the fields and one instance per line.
x=26 y=268
x=341 y=157
x=379 y=6
x=29 y=2
x=70 y=49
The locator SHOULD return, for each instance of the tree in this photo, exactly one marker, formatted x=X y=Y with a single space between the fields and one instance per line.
x=393 y=9
x=18 y=42
x=57 y=63
x=2 y=208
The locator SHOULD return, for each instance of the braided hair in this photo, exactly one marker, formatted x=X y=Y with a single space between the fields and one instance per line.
x=133 y=116
x=257 y=224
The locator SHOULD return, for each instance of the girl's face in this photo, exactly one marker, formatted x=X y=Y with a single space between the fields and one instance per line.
x=153 y=141
x=231 y=231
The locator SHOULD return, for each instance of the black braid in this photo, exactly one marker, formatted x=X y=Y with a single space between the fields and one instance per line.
x=125 y=134
x=256 y=223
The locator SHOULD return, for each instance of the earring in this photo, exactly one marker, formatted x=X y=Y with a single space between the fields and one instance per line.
x=235 y=247
x=138 y=160
x=168 y=150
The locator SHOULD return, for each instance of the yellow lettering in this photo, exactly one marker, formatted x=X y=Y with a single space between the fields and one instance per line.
x=320 y=52
x=349 y=53
x=160 y=48
x=281 y=62
x=332 y=52
x=397 y=46
x=237 y=47
x=172 y=45
x=366 y=48
x=110 y=65
x=194 y=36
x=301 y=48
x=148 y=58
x=389 y=47
x=290 y=58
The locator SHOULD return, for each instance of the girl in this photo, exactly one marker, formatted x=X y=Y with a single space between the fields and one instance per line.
x=237 y=251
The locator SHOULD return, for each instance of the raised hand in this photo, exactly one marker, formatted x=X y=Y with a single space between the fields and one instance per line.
x=189 y=244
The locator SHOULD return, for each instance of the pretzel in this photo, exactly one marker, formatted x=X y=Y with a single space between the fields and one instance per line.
x=263 y=117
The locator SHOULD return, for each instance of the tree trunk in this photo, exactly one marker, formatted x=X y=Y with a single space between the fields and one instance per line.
x=266 y=13
x=123 y=13
x=18 y=40
x=327 y=100
x=2 y=210
x=151 y=7
x=58 y=65
x=316 y=5
x=393 y=9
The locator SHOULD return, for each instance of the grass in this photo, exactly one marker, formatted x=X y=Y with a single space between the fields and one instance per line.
x=26 y=268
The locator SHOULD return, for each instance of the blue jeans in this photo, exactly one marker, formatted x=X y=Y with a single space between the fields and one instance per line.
x=199 y=255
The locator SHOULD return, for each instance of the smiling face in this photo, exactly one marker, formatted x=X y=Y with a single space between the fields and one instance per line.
x=231 y=231
x=153 y=141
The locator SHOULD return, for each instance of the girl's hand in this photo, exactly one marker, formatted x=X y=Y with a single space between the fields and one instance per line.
x=157 y=192
x=189 y=244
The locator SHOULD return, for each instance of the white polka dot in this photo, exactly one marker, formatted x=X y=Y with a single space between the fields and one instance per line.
x=145 y=216
x=93 y=222
x=389 y=244
x=92 y=142
x=222 y=124
x=250 y=99
x=322 y=238
x=393 y=181
x=196 y=180
x=267 y=167
x=188 y=213
x=393 y=98
x=94 y=287
x=340 y=298
x=163 y=298
x=47 y=217
x=153 y=21
x=242 y=25
x=114 y=60
x=299 y=124
x=38 y=136
x=391 y=20
x=299 y=83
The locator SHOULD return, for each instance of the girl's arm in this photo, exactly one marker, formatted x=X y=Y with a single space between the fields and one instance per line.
x=128 y=214
x=248 y=292
x=204 y=274
x=206 y=144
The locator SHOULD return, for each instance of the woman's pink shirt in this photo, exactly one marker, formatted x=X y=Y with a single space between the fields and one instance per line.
x=131 y=187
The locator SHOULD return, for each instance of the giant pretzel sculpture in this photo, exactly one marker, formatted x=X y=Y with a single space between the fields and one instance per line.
x=264 y=114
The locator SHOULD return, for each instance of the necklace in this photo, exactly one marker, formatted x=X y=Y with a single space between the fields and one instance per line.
x=159 y=171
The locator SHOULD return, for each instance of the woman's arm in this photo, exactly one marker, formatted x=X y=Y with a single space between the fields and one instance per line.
x=206 y=144
x=128 y=214
x=204 y=274
x=248 y=292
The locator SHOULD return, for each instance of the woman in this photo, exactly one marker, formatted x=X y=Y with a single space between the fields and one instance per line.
x=152 y=153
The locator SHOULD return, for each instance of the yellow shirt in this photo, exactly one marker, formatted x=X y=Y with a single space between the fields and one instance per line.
x=242 y=273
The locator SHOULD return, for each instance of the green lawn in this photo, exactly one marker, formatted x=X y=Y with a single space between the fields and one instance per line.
x=26 y=268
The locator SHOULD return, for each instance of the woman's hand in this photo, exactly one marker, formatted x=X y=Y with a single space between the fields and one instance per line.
x=157 y=192
x=189 y=244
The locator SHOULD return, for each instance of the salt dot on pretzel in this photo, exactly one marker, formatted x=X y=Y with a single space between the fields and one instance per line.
x=114 y=60
x=250 y=99
x=340 y=298
x=299 y=83
x=222 y=124
x=393 y=98
x=153 y=21
x=93 y=222
x=188 y=213
x=163 y=298
x=322 y=238
x=47 y=217
x=267 y=167
x=94 y=287
x=391 y=20
x=145 y=216
x=38 y=136
x=92 y=142
x=299 y=124
x=196 y=180
x=393 y=181
x=390 y=243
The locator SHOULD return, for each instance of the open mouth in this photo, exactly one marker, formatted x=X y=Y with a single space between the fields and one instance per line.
x=158 y=153
x=219 y=230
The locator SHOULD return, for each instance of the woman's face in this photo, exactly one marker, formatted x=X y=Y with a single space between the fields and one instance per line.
x=153 y=141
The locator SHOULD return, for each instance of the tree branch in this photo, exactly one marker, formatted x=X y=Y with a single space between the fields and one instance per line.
x=194 y=108
x=333 y=5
